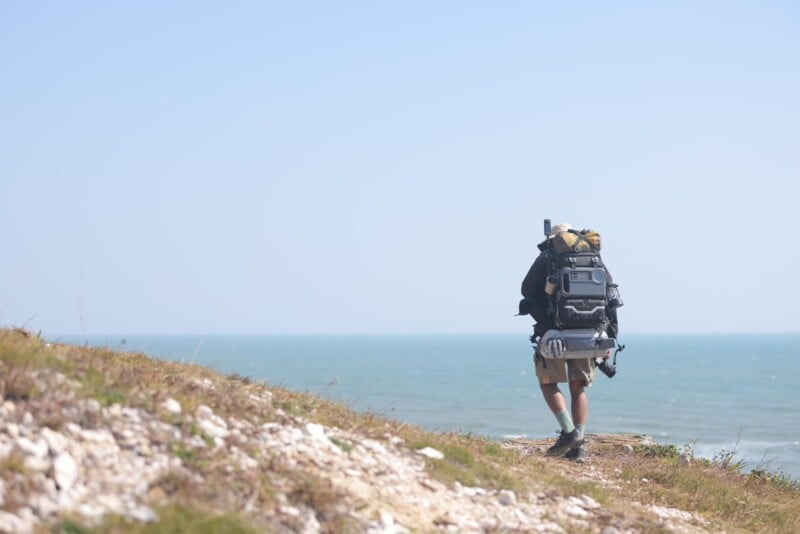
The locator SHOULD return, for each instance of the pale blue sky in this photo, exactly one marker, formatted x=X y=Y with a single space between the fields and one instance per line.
x=256 y=167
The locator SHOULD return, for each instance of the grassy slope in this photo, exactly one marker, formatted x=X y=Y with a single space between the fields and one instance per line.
x=728 y=499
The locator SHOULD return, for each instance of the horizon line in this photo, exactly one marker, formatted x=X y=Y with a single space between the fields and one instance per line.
x=409 y=333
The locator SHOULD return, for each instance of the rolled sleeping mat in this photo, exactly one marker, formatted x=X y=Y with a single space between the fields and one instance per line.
x=579 y=343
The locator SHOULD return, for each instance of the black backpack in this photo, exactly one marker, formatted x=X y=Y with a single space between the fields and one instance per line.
x=580 y=293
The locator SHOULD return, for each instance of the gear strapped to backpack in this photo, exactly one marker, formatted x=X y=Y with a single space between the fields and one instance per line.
x=581 y=298
x=577 y=280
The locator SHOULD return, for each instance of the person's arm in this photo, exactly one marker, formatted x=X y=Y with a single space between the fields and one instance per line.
x=535 y=297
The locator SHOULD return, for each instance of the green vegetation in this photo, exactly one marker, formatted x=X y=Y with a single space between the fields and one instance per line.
x=174 y=519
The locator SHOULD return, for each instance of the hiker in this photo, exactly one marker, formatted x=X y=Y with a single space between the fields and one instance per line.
x=540 y=291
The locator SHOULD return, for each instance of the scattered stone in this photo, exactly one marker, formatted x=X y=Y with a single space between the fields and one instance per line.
x=12 y=523
x=610 y=530
x=211 y=424
x=38 y=464
x=386 y=520
x=316 y=431
x=430 y=452
x=204 y=383
x=587 y=502
x=12 y=429
x=7 y=408
x=56 y=441
x=142 y=514
x=627 y=448
x=684 y=459
x=264 y=398
x=574 y=510
x=507 y=498
x=65 y=471
x=171 y=406
x=37 y=449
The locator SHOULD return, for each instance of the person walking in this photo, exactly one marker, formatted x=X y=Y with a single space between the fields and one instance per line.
x=552 y=371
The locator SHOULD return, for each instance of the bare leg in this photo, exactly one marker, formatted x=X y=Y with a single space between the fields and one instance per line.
x=579 y=402
x=553 y=397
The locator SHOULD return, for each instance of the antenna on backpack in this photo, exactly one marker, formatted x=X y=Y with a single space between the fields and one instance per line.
x=547 y=228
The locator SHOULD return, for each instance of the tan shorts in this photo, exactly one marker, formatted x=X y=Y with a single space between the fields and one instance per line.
x=550 y=371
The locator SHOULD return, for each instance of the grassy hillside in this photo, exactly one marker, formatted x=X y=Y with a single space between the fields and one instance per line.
x=92 y=439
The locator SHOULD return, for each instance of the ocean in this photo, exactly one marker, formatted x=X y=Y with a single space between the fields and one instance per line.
x=716 y=393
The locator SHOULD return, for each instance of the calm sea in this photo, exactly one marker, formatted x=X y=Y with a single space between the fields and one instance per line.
x=718 y=392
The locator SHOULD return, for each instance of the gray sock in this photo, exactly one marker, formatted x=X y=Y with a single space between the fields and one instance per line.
x=565 y=421
x=580 y=428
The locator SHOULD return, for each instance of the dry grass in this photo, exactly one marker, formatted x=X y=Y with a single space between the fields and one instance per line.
x=717 y=490
x=730 y=500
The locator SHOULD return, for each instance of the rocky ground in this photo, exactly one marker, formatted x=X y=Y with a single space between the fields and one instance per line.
x=63 y=455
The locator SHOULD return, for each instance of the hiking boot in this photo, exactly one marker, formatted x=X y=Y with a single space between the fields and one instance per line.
x=565 y=442
x=579 y=455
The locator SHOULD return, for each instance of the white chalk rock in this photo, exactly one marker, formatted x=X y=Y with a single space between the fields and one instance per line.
x=315 y=431
x=56 y=441
x=7 y=408
x=386 y=520
x=12 y=429
x=204 y=411
x=172 y=406
x=574 y=510
x=211 y=424
x=100 y=436
x=65 y=471
x=37 y=449
x=12 y=523
x=38 y=464
x=430 y=452
x=507 y=498
x=213 y=430
x=143 y=514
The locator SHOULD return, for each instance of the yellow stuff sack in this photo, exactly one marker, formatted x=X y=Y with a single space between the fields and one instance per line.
x=574 y=241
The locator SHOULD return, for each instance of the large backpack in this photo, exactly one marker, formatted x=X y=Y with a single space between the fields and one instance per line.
x=577 y=283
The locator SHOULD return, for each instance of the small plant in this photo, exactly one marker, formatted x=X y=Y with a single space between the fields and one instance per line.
x=180 y=450
x=657 y=450
x=778 y=479
x=17 y=384
x=97 y=385
x=68 y=526
x=727 y=460
x=688 y=449
x=14 y=462
x=346 y=447
x=181 y=519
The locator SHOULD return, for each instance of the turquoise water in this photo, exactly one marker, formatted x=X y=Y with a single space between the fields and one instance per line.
x=716 y=391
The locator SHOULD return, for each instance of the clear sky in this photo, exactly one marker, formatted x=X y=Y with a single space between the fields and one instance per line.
x=347 y=167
